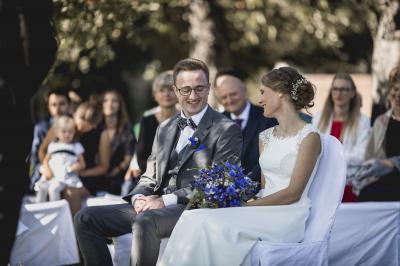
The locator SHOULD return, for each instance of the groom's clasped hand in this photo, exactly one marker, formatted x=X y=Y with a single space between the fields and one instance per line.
x=144 y=203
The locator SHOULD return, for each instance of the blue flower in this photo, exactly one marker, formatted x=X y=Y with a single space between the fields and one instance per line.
x=195 y=144
x=222 y=185
x=235 y=203
x=231 y=190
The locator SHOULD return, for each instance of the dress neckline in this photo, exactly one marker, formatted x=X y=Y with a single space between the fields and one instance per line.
x=287 y=137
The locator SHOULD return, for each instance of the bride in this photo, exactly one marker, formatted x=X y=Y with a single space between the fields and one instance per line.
x=289 y=156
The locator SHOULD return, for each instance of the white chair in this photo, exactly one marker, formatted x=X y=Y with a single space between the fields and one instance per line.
x=107 y=199
x=45 y=235
x=326 y=193
x=366 y=233
x=122 y=249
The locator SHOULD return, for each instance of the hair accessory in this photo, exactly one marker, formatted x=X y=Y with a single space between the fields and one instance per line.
x=295 y=85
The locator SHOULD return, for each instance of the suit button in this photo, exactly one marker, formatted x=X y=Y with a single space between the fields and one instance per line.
x=1 y=216
x=1 y=189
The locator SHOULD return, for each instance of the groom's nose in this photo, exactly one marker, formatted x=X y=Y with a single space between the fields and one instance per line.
x=193 y=95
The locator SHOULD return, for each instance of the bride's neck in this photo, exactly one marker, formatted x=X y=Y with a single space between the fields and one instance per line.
x=289 y=121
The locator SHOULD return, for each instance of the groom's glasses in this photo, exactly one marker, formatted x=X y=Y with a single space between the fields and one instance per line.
x=187 y=90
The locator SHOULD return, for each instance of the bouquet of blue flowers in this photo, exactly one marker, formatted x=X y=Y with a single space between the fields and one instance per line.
x=221 y=185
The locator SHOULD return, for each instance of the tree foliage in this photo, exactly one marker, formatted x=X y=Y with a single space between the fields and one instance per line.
x=113 y=39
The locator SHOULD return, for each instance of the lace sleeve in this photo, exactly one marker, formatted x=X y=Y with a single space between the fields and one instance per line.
x=307 y=129
x=264 y=136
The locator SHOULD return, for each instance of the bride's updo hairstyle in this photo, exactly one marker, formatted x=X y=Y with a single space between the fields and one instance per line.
x=288 y=81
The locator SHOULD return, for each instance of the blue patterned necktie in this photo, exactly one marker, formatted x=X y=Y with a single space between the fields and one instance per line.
x=184 y=122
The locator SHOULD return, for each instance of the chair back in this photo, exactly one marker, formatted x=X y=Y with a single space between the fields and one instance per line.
x=326 y=190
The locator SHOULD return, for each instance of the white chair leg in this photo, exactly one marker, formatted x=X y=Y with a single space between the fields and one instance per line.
x=122 y=250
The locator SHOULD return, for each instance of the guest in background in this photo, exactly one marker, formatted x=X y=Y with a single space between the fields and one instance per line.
x=379 y=176
x=97 y=152
x=231 y=93
x=58 y=104
x=97 y=146
x=75 y=99
x=341 y=117
x=64 y=159
x=119 y=131
x=164 y=95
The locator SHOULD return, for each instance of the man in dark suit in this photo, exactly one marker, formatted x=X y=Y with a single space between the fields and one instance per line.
x=231 y=94
x=156 y=203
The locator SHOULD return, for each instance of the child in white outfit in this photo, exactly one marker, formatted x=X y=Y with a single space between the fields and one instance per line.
x=64 y=159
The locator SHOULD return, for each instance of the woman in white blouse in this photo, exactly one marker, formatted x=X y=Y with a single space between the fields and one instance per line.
x=341 y=117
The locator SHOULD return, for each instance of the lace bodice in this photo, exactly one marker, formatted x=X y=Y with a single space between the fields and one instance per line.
x=278 y=159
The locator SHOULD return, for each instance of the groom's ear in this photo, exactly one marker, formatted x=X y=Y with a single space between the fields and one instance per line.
x=175 y=90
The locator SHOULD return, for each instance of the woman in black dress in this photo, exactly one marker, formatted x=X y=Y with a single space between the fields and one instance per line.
x=119 y=132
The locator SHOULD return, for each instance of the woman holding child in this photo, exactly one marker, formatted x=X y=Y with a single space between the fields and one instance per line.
x=96 y=152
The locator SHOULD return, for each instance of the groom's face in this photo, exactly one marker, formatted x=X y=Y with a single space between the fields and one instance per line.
x=192 y=88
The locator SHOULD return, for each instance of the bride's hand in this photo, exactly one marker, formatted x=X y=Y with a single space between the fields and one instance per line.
x=250 y=202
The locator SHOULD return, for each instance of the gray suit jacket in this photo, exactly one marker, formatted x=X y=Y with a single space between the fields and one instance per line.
x=221 y=137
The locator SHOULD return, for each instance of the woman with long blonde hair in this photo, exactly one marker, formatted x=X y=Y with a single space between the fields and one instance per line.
x=341 y=117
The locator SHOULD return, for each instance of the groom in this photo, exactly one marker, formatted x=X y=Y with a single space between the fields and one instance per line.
x=156 y=203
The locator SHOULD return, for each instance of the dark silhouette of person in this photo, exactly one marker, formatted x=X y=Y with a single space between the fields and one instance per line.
x=27 y=51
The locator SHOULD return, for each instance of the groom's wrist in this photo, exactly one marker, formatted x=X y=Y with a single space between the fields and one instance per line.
x=134 y=197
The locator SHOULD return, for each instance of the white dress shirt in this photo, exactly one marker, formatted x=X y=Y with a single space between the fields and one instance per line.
x=187 y=132
x=244 y=116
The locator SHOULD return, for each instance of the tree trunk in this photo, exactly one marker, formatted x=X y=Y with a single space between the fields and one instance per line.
x=386 y=53
x=202 y=38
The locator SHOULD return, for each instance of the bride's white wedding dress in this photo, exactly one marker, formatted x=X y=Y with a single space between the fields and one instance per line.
x=226 y=236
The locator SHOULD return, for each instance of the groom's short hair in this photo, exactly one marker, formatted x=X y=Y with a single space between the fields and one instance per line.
x=189 y=64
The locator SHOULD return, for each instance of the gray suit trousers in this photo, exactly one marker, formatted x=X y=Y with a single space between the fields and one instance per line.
x=94 y=224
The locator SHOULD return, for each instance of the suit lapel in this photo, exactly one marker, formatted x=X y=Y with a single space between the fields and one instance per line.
x=165 y=145
x=201 y=133
x=250 y=130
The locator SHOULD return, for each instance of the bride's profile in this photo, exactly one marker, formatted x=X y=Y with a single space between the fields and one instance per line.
x=289 y=156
